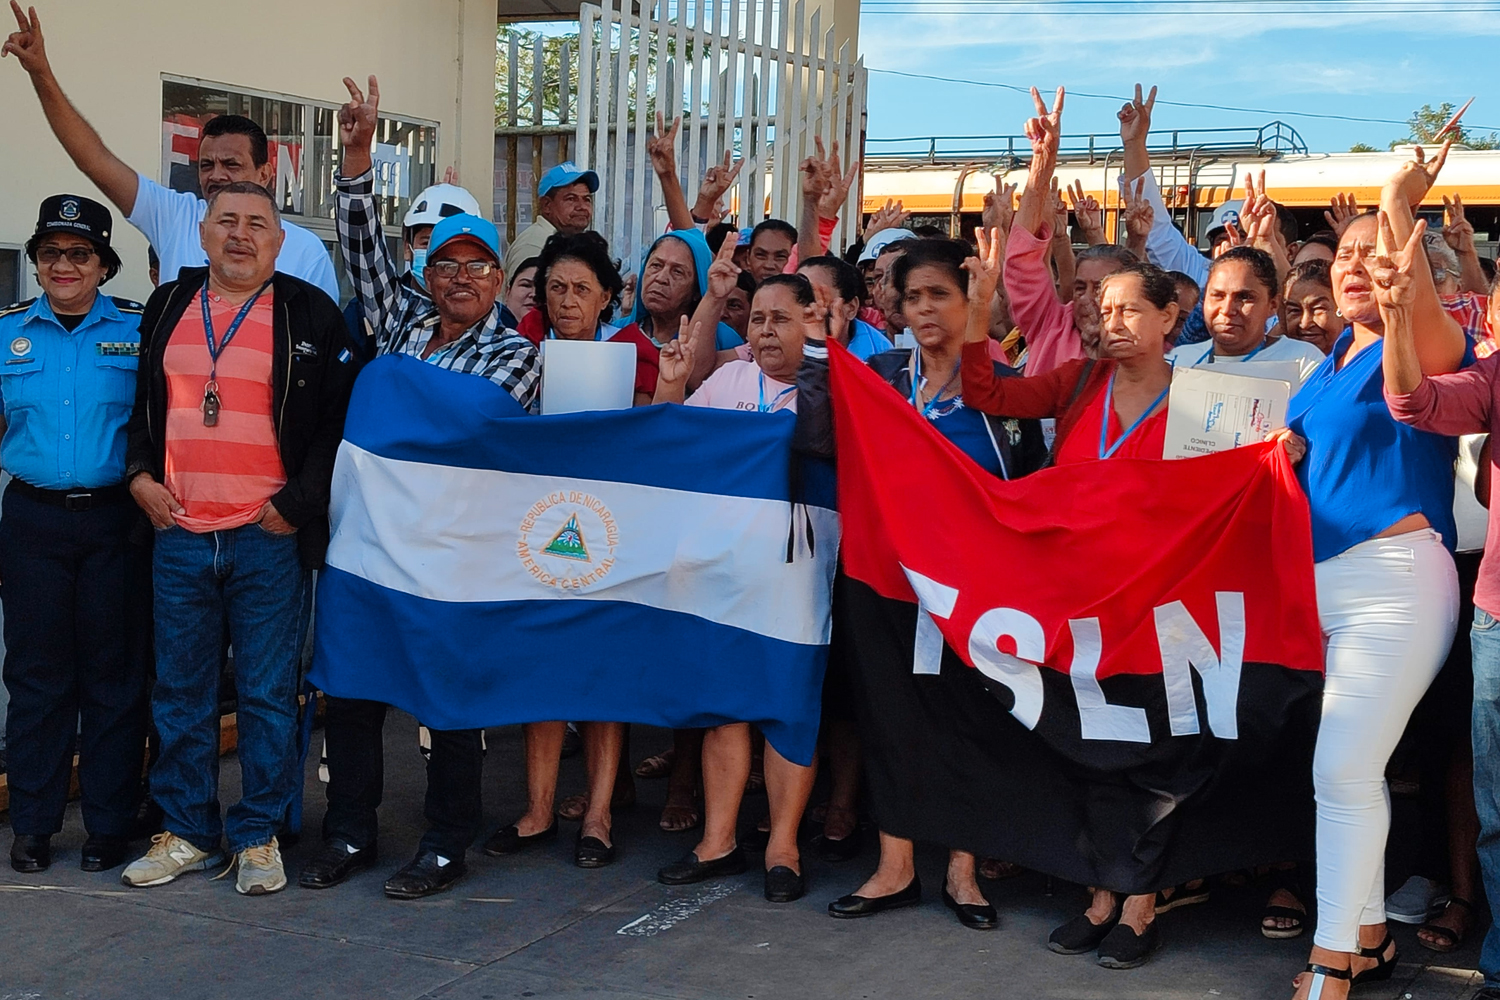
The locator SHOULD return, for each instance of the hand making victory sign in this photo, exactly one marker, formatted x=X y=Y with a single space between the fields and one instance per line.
x=358 y=120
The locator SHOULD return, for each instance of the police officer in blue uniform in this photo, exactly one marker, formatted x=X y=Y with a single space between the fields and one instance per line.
x=67 y=385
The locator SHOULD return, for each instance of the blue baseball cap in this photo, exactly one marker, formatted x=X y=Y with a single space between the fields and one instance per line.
x=465 y=227
x=562 y=175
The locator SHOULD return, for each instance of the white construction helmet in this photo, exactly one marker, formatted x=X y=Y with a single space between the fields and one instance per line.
x=438 y=202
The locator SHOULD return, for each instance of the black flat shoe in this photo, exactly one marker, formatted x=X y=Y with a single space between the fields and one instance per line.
x=1122 y=948
x=851 y=906
x=591 y=852
x=689 y=869
x=1081 y=934
x=100 y=854
x=843 y=849
x=334 y=864
x=784 y=885
x=30 y=855
x=508 y=840
x=979 y=917
x=1384 y=967
x=423 y=876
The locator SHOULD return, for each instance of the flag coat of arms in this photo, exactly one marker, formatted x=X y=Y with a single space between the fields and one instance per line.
x=1109 y=671
x=650 y=565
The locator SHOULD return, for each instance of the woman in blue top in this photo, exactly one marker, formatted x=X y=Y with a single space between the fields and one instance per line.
x=1381 y=495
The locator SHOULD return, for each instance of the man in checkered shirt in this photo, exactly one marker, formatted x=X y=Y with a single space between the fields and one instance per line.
x=459 y=326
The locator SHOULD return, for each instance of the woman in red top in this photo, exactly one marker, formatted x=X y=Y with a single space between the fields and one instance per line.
x=1115 y=407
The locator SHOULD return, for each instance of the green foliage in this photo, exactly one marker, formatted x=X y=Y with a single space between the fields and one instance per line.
x=1427 y=120
x=1363 y=147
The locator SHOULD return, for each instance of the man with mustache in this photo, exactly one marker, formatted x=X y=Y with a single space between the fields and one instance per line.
x=243 y=381
x=233 y=148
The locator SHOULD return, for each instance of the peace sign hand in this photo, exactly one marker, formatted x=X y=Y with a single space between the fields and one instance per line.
x=1045 y=131
x=358 y=118
x=717 y=180
x=836 y=190
x=999 y=206
x=723 y=273
x=1416 y=176
x=892 y=216
x=661 y=146
x=1135 y=117
x=1138 y=215
x=676 y=361
x=985 y=271
x=26 y=42
x=1458 y=231
x=815 y=318
x=1393 y=270
x=1088 y=212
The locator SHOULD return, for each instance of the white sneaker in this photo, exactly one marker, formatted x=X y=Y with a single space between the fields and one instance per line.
x=260 y=870
x=169 y=857
x=1415 y=901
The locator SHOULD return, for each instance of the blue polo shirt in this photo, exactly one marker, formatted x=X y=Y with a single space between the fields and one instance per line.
x=66 y=396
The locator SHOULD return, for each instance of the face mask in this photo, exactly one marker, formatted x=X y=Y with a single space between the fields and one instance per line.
x=418 y=263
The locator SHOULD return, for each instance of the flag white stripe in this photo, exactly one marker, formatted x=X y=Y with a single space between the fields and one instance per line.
x=479 y=535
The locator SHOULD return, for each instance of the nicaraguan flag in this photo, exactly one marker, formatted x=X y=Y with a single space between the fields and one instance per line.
x=489 y=567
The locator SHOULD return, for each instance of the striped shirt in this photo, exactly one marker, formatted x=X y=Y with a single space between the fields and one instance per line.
x=222 y=475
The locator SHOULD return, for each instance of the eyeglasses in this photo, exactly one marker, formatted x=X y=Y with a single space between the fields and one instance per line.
x=450 y=268
x=75 y=255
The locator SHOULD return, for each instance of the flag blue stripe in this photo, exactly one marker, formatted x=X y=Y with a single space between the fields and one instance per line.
x=408 y=410
x=464 y=666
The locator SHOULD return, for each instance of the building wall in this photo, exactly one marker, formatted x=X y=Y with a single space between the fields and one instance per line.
x=435 y=60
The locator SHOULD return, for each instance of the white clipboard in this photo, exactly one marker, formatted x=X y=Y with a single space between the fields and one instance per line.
x=580 y=375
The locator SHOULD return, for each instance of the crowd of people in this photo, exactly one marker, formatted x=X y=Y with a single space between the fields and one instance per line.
x=159 y=514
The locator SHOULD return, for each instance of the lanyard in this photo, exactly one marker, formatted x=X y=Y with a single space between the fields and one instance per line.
x=1209 y=357
x=1109 y=403
x=214 y=352
x=761 y=406
x=918 y=382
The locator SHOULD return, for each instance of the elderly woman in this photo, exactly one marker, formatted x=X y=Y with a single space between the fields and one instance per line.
x=783 y=306
x=1308 y=311
x=577 y=289
x=934 y=286
x=672 y=284
x=1381 y=496
x=1109 y=408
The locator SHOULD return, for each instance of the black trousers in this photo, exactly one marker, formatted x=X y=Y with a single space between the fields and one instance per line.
x=356 y=780
x=64 y=581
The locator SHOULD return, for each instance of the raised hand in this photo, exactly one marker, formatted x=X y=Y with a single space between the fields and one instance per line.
x=892 y=216
x=836 y=190
x=661 y=146
x=1089 y=213
x=1059 y=214
x=1258 y=216
x=985 y=270
x=716 y=180
x=1137 y=216
x=1045 y=133
x=26 y=43
x=815 y=318
x=1458 y=231
x=1414 y=178
x=1135 y=117
x=676 y=361
x=1392 y=271
x=358 y=118
x=450 y=175
x=1342 y=210
x=999 y=207
x=627 y=295
x=723 y=273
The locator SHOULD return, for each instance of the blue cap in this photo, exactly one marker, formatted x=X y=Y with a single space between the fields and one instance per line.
x=465 y=227
x=563 y=174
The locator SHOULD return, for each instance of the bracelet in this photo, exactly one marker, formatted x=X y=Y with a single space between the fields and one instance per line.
x=701 y=222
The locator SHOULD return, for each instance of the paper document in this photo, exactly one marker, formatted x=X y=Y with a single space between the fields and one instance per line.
x=1211 y=411
x=582 y=375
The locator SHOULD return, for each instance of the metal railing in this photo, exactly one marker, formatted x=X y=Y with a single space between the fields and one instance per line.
x=1264 y=142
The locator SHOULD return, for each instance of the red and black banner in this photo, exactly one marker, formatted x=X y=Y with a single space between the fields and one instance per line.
x=1110 y=672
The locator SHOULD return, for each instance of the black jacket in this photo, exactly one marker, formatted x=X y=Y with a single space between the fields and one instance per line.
x=312 y=373
x=1018 y=443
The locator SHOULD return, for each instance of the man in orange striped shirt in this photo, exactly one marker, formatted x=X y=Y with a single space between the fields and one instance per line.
x=244 y=378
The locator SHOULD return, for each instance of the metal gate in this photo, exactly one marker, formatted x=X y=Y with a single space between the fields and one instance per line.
x=757 y=77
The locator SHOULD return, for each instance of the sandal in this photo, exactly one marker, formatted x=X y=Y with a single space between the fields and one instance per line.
x=1181 y=895
x=656 y=766
x=1384 y=967
x=1449 y=938
x=1321 y=973
x=1284 y=880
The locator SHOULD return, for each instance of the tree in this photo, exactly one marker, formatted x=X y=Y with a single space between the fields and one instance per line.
x=1363 y=147
x=1427 y=120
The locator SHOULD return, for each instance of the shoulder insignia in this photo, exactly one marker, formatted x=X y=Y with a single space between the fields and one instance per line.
x=19 y=307
x=127 y=305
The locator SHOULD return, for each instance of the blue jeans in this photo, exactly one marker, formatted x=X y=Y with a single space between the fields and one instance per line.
x=252 y=580
x=1484 y=638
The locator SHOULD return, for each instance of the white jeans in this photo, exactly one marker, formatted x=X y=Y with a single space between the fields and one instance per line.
x=1388 y=608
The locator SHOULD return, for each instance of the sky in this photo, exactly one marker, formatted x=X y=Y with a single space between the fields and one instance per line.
x=1378 y=59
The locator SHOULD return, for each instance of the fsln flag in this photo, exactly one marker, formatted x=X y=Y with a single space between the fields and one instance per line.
x=1108 y=671
x=488 y=567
